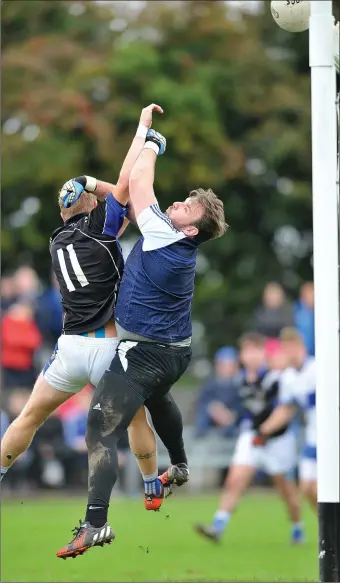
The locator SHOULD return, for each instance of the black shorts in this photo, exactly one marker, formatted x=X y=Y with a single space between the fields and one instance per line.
x=150 y=368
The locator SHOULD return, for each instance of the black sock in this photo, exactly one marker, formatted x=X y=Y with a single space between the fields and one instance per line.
x=105 y=427
x=168 y=423
x=96 y=515
x=178 y=455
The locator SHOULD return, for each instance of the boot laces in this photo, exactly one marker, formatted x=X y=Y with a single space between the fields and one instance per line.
x=76 y=530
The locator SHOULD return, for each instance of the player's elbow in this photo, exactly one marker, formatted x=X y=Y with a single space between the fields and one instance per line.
x=133 y=180
x=123 y=180
x=136 y=180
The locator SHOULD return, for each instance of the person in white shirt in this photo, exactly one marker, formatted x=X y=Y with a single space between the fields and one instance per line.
x=298 y=391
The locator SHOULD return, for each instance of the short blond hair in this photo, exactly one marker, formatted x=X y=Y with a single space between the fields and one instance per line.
x=84 y=204
x=254 y=338
x=291 y=335
x=212 y=224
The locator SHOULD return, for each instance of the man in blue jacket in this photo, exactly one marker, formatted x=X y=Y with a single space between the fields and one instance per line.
x=304 y=316
x=219 y=402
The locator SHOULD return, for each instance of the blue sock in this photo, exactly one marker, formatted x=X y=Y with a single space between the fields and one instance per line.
x=297 y=531
x=221 y=520
x=152 y=485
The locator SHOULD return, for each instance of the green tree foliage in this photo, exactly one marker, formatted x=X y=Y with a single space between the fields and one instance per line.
x=236 y=95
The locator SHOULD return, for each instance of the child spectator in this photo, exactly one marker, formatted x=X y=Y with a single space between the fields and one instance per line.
x=20 y=339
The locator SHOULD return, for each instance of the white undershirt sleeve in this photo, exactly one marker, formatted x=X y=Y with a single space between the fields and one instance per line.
x=157 y=229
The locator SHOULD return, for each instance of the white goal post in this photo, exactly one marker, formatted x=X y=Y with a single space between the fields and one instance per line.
x=326 y=279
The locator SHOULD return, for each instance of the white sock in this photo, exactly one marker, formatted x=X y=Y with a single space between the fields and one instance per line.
x=3 y=471
x=150 y=477
x=221 y=519
x=222 y=515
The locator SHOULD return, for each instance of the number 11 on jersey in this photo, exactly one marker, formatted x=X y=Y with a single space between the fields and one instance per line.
x=78 y=272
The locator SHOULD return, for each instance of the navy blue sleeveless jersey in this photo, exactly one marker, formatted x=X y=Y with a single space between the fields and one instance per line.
x=158 y=283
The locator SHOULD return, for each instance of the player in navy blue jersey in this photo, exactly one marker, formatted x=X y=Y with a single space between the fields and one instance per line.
x=153 y=319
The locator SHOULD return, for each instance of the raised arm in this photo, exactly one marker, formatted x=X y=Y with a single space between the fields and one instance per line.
x=121 y=190
x=155 y=226
x=142 y=176
x=72 y=190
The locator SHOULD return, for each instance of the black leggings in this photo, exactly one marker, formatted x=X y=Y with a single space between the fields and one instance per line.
x=152 y=370
x=168 y=423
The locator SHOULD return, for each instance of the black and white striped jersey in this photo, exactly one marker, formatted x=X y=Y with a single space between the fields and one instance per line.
x=88 y=263
x=259 y=399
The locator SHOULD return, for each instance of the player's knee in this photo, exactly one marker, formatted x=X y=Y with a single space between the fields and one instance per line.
x=30 y=416
x=139 y=419
x=93 y=432
x=235 y=481
x=102 y=425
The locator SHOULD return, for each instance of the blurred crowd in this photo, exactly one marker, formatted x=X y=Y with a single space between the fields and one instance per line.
x=31 y=322
x=219 y=403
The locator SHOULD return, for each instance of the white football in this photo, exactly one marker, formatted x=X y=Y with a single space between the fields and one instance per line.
x=291 y=15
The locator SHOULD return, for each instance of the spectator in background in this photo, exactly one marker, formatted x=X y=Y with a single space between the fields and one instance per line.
x=304 y=316
x=27 y=285
x=20 y=339
x=49 y=313
x=54 y=462
x=219 y=403
x=49 y=462
x=274 y=314
x=7 y=292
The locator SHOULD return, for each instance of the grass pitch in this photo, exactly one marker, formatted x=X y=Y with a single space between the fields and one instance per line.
x=153 y=546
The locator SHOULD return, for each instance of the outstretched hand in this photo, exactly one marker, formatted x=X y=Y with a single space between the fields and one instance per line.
x=146 y=115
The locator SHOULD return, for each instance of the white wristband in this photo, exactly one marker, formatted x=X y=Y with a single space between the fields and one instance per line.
x=91 y=183
x=141 y=132
x=151 y=146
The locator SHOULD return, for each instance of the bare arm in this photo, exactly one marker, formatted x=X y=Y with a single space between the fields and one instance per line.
x=280 y=417
x=220 y=414
x=123 y=228
x=130 y=218
x=155 y=226
x=72 y=190
x=103 y=189
x=141 y=181
x=131 y=215
x=121 y=190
